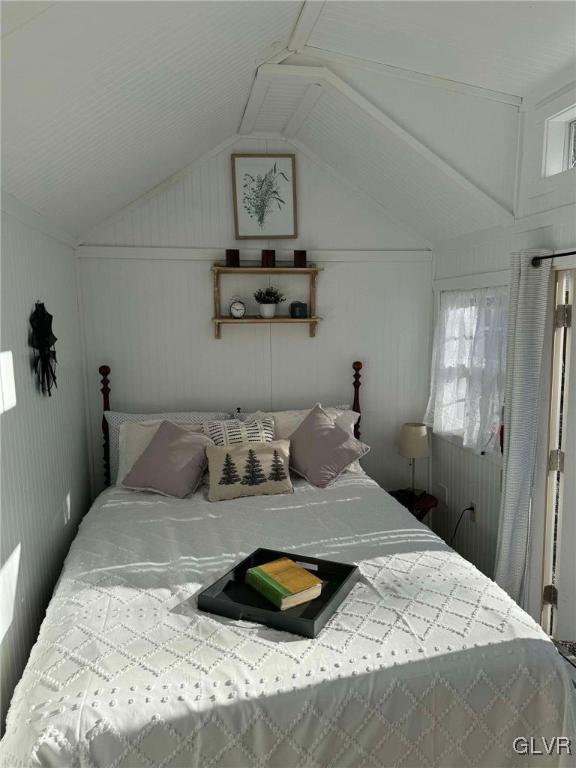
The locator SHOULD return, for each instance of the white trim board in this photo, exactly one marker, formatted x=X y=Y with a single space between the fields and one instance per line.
x=152 y=253
x=567 y=262
x=456 y=86
x=13 y=207
x=478 y=280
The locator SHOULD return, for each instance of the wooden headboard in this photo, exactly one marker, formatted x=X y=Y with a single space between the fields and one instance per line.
x=104 y=371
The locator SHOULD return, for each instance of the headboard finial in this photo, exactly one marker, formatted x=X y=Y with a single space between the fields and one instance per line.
x=104 y=371
x=357 y=366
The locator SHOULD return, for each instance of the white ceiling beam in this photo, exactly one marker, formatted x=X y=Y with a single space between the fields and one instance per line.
x=456 y=86
x=331 y=82
x=313 y=93
x=309 y=15
x=255 y=101
x=501 y=214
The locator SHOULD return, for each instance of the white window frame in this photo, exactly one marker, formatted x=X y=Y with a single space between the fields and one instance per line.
x=500 y=278
x=570 y=161
x=558 y=131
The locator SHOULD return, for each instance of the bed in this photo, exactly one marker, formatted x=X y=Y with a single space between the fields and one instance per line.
x=426 y=663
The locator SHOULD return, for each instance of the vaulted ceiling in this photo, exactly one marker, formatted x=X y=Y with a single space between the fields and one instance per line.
x=102 y=101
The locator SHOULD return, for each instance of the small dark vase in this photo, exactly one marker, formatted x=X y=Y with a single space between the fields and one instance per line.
x=300 y=260
x=268 y=258
x=232 y=257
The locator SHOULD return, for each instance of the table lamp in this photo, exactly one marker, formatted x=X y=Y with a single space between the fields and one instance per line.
x=414 y=444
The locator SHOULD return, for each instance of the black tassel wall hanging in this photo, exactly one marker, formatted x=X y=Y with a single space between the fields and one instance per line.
x=42 y=340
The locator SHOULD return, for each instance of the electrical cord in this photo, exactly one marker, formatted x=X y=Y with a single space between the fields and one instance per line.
x=468 y=509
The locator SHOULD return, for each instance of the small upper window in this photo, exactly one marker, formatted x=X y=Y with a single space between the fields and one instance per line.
x=560 y=142
x=572 y=145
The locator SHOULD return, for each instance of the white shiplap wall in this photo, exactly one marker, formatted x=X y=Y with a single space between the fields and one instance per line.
x=147 y=310
x=150 y=320
x=466 y=476
x=195 y=210
x=45 y=487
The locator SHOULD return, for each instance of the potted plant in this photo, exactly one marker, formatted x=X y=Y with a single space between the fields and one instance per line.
x=267 y=299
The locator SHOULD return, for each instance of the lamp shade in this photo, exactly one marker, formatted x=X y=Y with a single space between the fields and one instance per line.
x=414 y=441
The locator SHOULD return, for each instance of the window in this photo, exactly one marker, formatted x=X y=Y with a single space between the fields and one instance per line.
x=571 y=160
x=468 y=366
x=560 y=142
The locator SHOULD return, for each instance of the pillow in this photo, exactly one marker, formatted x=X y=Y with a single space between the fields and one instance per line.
x=172 y=464
x=285 y=422
x=321 y=450
x=135 y=437
x=234 y=431
x=248 y=469
x=115 y=419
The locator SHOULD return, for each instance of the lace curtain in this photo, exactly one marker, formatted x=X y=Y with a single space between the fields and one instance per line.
x=468 y=366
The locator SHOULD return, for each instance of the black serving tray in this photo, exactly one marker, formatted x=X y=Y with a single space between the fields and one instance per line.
x=231 y=597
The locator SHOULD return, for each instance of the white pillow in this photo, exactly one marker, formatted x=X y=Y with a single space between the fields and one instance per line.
x=233 y=431
x=116 y=418
x=135 y=437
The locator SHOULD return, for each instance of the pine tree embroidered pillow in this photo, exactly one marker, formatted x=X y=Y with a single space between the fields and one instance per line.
x=248 y=469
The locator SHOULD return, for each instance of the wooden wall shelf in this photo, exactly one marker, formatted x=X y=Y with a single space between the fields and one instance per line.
x=248 y=269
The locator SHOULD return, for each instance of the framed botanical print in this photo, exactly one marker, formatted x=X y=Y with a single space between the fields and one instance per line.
x=264 y=194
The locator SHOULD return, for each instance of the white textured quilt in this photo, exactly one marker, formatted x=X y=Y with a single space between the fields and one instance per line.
x=426 y=663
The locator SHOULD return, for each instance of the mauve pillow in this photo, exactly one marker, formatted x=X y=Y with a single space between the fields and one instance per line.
x=320 y=450
x=172 y=463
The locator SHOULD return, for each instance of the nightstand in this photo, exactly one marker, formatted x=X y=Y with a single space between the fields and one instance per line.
x=418 y=504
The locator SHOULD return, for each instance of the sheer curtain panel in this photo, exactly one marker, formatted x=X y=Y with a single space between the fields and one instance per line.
x=468 y=365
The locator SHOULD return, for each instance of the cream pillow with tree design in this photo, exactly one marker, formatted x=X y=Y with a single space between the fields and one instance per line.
x=249 y=469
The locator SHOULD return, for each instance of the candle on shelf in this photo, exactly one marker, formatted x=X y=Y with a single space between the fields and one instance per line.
x=300 y=259
x=232 y=257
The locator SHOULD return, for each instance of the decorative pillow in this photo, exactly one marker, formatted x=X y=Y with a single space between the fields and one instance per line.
x=285 y=422
x=321 y=450
x=172 y=464
x=249 y=469
x=135 y=437
x=116 y=418
x=234 y=431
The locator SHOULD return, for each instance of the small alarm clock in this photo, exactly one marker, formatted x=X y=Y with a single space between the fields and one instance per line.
x=237 y=308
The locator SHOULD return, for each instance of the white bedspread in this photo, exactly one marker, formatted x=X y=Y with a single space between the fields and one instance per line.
x=426 y=663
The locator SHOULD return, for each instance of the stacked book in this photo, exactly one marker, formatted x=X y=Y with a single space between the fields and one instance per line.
x=284 y=583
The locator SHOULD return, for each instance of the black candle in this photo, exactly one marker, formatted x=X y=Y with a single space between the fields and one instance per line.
x=232 y=257
x=269 y=258
x=300 y=259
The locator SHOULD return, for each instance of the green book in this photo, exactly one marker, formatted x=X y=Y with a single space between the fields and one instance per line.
x=284 y=583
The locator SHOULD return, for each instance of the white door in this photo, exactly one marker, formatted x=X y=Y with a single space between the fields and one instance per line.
x=559 y=572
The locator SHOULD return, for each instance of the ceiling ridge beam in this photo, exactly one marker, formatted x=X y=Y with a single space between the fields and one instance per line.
x=329 y=81
x=309 y=15
x=435 y=81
